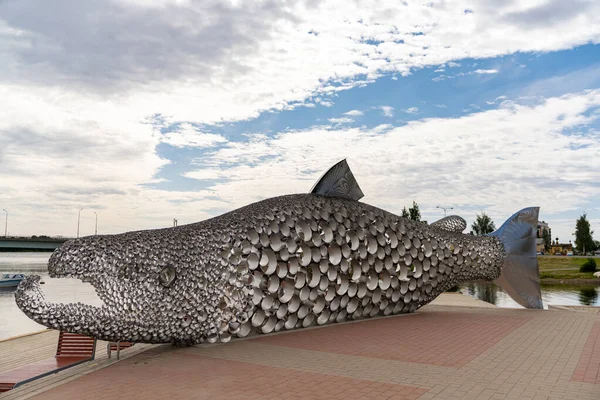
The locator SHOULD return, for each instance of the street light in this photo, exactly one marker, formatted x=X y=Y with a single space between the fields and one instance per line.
x=96 y=229
x=445 y=208
x=78 y=218
x=5 y=223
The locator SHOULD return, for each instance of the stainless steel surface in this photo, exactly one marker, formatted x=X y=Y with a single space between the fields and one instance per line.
x=283 y=263
x=520 y=276
x=452 y=223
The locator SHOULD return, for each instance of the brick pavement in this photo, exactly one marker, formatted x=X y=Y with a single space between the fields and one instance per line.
x=588 y=367
x=472 y=335
x=463 y=353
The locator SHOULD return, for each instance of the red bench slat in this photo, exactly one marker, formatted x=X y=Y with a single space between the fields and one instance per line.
x=71 y=350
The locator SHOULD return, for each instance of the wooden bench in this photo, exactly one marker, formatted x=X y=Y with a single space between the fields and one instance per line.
x=72 y=349
x=117 y=346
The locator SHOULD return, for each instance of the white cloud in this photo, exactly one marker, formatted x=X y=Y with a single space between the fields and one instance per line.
x=386 y=111
x=411 y=110
x=177 y=60
x=342 y=120
x=464 y=161
x=442 y=77
x=83 y=79
x=189 y=136
x=485 y=71
x=354 y=113
x=206 y=174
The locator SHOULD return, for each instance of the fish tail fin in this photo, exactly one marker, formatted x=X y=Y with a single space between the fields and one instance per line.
x=520 y=276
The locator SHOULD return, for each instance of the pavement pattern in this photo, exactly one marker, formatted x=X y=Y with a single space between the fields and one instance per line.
x=440 y=352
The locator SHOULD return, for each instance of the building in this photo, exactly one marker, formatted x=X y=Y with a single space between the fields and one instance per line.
x=539 y=242
x=561 y=248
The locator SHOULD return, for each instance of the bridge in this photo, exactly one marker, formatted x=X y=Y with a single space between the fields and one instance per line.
x=35 y=243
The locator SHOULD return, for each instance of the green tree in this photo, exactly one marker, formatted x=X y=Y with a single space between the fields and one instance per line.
x=583 y=235
x=588 y=266
x=405 y=213
x=414 y=213
x=547 y=239
x=483 y=224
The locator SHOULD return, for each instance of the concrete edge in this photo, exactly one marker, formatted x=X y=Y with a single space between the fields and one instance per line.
x=25 y=335
x=42 y=385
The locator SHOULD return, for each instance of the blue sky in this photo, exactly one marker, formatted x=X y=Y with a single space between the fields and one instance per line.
x=149 y=111
x=446 y=91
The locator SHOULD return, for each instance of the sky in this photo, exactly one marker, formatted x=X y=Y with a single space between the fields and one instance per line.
x=141 y=111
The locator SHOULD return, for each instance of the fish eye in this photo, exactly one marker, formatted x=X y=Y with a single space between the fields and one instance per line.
x=167 y=276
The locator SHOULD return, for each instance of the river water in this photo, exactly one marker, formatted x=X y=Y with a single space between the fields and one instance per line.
x=13 y=322
x=555 y=294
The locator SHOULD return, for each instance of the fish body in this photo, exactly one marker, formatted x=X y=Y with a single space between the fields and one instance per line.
x=282 y=263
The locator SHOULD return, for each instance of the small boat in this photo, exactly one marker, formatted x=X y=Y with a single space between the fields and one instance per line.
x=10 y=280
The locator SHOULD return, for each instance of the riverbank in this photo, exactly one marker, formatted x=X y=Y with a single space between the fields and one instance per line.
x=555 y=269
x=577 y=281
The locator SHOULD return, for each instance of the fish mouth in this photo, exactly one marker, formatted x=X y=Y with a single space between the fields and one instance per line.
x=70 y=317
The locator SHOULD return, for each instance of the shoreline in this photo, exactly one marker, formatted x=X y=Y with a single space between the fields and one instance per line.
x=577 y=281
x=22 y=335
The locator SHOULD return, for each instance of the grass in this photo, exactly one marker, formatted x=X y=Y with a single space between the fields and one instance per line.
x=562 y=267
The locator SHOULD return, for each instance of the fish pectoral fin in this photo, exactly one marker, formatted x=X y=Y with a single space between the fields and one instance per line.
x=451 y=223
x=338 y=181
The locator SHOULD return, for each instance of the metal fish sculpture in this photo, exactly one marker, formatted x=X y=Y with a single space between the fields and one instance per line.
x=283 y=263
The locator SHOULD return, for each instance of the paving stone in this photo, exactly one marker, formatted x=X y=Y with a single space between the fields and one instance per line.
x=439 y=353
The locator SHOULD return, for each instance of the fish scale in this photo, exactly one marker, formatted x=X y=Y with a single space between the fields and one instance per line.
x=283 y=263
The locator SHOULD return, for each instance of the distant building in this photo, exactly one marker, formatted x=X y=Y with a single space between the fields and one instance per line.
x=561 y=248
x=539 y=242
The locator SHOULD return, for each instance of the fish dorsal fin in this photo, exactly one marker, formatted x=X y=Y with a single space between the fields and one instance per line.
x=452 y=223
x=338 y=181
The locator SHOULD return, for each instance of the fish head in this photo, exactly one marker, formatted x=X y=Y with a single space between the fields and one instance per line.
x=153 y=285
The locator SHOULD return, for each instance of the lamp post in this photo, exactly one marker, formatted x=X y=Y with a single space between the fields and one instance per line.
x=5 y=223
x=78 y=218
x=445 y=208
x=96 y=228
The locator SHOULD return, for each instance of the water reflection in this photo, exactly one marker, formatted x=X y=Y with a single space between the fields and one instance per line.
x=482 y=291
x=556 y=294
x=588 y=295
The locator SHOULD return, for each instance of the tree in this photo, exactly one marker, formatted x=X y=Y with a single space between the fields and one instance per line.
x=483 y=224
x=547 y=239
x=405 y=213
x=588 y=266
x=414 y=213
x=583 y=235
